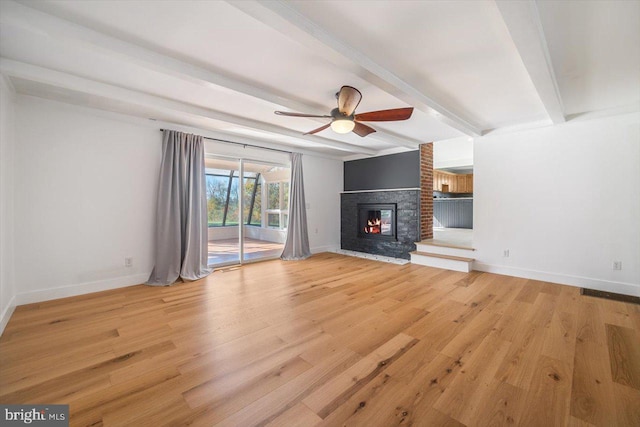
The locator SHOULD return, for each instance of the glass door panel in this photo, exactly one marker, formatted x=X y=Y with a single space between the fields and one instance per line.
x=247 y=209
x=264 y=212
x=222 y=178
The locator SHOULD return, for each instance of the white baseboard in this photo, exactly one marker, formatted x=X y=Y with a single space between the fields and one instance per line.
x=80 y=289
x=326 y=248
x=563 y=279
x=6 y=314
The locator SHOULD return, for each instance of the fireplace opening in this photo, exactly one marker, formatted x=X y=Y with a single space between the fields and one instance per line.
x=377 y=221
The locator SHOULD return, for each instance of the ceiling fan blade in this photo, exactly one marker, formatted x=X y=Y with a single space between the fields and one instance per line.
x=311 y=132
x=348 y=99
x=286 y=113
x=362 y=129
x=386 y=115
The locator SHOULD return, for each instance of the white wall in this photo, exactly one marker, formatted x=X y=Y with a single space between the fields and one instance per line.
x=323 y=184
x=86 y=186
x=7 y=147
x=222 y=233
x=453 y=152
x=265 y=233
x=565 y=202
x=85 y=194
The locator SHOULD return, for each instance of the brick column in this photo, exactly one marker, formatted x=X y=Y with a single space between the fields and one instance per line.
x=426 y=191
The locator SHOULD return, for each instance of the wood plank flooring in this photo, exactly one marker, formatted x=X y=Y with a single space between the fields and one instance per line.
x=226 y=251
x=330 y=341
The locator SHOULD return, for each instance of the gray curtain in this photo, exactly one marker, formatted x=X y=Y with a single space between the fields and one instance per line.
x=181 y=215
x=297 y=245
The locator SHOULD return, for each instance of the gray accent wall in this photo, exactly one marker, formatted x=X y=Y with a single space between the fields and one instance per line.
x=400 y=170
x=453 y=213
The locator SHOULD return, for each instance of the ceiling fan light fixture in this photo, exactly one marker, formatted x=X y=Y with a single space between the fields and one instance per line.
x=342 y=125
x=345 y=119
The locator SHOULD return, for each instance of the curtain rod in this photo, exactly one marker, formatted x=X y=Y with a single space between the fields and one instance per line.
x=241 y=143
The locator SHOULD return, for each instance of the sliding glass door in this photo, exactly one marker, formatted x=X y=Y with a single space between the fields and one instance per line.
x=222 y=176
x=247 y=217
x=265 y=225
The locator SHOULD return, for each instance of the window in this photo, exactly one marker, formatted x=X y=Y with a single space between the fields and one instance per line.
x=223 y=192
x=273 y=220
x=277 y=204
x=274 y=196
x=222 y=198
x=217 y=189
x=252 y=214
x=285 y=195
x=232 y=203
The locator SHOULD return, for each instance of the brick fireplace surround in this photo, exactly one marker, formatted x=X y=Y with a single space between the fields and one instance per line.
x=426 y=191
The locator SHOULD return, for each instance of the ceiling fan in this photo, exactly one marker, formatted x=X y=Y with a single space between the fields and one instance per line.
x=344 y=119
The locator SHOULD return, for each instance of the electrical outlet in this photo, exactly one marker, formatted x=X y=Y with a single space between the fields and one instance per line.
x=505 y=253
x=128 y=262
x=617 y=265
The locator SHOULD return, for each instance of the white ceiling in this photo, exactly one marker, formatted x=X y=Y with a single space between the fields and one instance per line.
x=467 y=67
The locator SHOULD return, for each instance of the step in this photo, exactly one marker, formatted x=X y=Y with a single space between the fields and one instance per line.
x=447 y=262
x=442 y=243
x=444 y=249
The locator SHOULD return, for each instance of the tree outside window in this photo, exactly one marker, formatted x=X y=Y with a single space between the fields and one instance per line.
x=222 y=199
x=252 y=214
x=223 y=193
x=217 y=187
x=274 y=196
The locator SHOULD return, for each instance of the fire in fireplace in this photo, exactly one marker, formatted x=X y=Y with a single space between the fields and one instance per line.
x=376 y=224
x=377 y=221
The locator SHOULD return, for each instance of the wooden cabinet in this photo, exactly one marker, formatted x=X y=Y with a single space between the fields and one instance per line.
x=441 y=179
x=453 y=183
x=461 y=184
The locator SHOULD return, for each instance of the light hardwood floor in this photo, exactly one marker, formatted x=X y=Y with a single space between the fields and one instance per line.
x=228 y=250
x=330 y=341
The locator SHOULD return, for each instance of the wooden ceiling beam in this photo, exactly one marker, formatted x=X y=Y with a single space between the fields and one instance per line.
x=523 y=22
x=155 y=103
x=29 y=19
x=284 y=18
